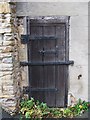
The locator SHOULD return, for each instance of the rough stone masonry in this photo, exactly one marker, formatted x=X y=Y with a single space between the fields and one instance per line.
x=9 y=58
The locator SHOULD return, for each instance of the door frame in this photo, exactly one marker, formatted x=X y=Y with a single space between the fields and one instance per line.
x=56 y=19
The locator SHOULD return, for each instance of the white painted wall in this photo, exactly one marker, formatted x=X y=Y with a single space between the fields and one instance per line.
x=78 y=37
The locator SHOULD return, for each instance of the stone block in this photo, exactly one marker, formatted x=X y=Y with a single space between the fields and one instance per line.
x=8 y=82
x=5 y=55
x=4 y=73
x=1 y=15
x=1 y=30
x=7 y=43
x=1 y=39
x=0 y=43
x=9 y=20
x=8 y=30
x=7 y=49
x=9 y=104
x=7 y=60
x=5 y=7
x=6 y=25
x=3 y=20
x=5 y=29
x=6 y=96
x=6 y=67
x=8 y=15
x=7 y=78
x=3 y=25
x=8 y=37
x=8 y=34
x=7 y=89
x=8 y=92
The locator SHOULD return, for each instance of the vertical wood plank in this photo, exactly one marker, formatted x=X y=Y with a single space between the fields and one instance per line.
x=36 y=71
x=60 y=33
x=49 y=71
x=60 y=74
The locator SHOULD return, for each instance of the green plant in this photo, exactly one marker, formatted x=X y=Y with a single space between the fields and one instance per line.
x=37 y=110
x=28 y=103
x=33 y=109
x=80 y=107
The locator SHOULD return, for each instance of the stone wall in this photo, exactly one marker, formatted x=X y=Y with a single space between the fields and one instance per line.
x=9 y=58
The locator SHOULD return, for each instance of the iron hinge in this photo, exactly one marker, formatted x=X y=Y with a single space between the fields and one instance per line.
x=27 y=63
x=25 y=39
x=25 y=89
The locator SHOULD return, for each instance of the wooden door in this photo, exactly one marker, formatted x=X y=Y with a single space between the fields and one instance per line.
x=48 y=56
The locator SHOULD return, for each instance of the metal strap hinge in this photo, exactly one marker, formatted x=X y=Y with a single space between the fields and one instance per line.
x=27 y=89
x=26 y=38
x=25 y=63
